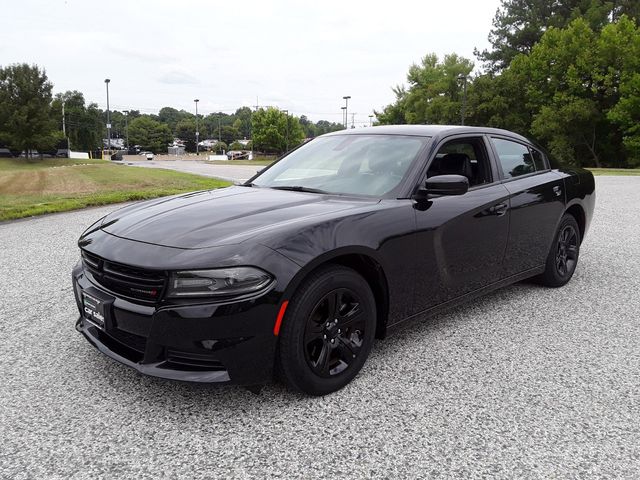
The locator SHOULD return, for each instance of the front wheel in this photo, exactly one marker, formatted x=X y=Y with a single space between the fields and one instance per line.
x=327 y=331
x=563 y=256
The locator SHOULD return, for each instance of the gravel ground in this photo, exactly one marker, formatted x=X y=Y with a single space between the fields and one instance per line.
x=527 y=382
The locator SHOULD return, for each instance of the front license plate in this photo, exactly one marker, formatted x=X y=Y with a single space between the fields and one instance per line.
x=93 y=309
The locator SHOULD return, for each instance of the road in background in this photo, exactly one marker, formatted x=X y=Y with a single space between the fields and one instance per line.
x=232 y=173
x=527 y=382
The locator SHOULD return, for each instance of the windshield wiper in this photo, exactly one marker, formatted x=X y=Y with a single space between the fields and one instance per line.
x=299 y=188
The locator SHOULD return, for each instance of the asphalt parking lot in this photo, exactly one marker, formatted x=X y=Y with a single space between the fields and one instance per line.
x=527 y=382
x=230 y=172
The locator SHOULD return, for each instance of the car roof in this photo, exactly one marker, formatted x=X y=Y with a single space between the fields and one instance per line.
x=427 y=131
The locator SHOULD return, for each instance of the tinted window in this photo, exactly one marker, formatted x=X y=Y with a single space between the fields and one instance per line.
x=515 y=158
x=538 y=160
x=464 y=157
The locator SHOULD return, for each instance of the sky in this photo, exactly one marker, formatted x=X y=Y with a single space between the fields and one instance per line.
x=296 y=55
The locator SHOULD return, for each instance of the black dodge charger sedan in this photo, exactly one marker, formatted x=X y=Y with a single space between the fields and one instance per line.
x=295 y=273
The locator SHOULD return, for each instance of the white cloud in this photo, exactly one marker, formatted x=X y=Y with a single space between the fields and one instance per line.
x=303 y=56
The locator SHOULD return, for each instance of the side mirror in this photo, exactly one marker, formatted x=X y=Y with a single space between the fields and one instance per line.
x=447 y=185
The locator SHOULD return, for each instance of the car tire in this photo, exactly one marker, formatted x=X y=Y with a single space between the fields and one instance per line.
x=327 y=332
x=564 y=253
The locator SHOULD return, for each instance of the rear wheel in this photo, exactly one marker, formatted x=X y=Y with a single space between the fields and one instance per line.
x=327 y=332
x=563 y=256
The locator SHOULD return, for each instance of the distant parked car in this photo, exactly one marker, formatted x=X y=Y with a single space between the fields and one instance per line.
x=237 y=154
x=5 y=153
x=148 y=155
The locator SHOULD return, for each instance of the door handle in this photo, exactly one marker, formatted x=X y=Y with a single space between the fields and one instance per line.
x=557 y=190
x=499 y=209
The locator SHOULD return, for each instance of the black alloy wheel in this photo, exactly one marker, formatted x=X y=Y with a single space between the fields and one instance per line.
x=567 y=250
x=334 y=332
x=563 y=256
x=327 y=331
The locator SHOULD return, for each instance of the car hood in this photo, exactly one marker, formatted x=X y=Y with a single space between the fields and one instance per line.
x=221 y=217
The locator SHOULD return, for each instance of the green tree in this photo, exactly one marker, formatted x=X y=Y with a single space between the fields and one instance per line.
x=171 y=117
x=243 y=115
x=573 y=80
x=519 y=24
x=498 y=101
x=274 y=131
x=323 y=126
x=229 y=134
x=185 y=130
x=434 y=94
x=84 y=125
x=149 y=134
x=25 y=109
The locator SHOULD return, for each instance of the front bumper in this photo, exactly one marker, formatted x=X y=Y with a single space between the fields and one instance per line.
x=210 y=342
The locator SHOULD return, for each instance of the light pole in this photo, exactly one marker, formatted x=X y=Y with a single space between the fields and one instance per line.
x=370 y=120
x=463 y=79
x=346 y=109
x=106 y=81
x=344 y=116
x=64 y=129
x=197 y=132
x=286 y=137
x=126 y=127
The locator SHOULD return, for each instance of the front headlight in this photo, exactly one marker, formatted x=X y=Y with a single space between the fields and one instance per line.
x=218 y=282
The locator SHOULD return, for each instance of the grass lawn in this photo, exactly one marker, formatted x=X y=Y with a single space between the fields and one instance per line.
x=615 y=171
x=34 y=187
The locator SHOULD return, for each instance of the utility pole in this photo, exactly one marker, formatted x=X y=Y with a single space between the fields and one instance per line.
x=197 y=132
x=346 y=109
x=106 y=81
x=286 y=137
x=344 y=116
x=126 y=127
x=219 y=137
x=353 y=116
x=64 y=129
x=463 y=79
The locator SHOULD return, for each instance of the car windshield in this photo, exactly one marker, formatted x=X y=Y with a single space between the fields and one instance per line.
x=345 y=164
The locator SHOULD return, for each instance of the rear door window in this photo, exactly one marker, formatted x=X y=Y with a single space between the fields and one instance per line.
x=515 y=158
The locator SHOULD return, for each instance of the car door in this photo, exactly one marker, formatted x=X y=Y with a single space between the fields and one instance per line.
x=536 y=201
x=461 y=240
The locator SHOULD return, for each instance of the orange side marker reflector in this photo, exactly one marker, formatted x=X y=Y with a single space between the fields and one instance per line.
x=276 y=327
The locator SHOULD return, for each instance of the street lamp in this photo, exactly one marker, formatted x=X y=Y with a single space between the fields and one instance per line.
x=197 y=132
x=346 y=109
x=344 y=116
x=106 y=81
x=126 y=127
x=370 y=120
x=463 y=78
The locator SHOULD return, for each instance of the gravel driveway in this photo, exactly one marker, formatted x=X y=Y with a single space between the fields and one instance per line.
x=527 y=382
